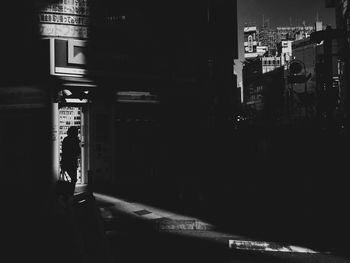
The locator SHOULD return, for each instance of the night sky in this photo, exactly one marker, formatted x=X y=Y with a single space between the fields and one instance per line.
x=280 y=13
x=285 y=12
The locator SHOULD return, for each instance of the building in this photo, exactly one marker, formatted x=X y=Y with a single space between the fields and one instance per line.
x=280 y=48
x=159 y=77
x=252 y=75
x=270 y=63
x=64 y=28
x=25 y=134
x=154 y=75
x=319 y=61
x=145 y=87
x=251 y=42
x=341 y=9
x=292 y=33
x=265 y=84
x=253 y=45
x=285 y=51
x=258 y=43
x=303 y=96
x=268 y=37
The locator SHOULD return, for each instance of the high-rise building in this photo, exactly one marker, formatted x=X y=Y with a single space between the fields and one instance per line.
x=292 y=33
x=252 y=45
x=270 y=63
x=285 y=51
x=268 y=37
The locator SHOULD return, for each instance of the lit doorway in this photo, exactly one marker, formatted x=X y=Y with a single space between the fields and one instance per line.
x=71 y=115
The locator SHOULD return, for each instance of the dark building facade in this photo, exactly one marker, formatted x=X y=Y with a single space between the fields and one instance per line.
x=341 y=10
x=265 y=91
x=252 y=76
x=165 y=75
x=148 y=83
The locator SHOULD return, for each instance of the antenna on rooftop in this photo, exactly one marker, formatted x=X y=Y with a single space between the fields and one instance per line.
x=263 y=20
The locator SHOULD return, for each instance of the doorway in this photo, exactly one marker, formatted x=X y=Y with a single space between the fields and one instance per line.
x=73 y=115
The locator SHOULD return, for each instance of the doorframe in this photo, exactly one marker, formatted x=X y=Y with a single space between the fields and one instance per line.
x=84 y=135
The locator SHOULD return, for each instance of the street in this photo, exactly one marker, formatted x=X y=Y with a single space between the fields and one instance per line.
x=137 y=237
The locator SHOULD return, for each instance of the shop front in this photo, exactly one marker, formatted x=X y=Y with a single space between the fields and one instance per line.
x=70 y=101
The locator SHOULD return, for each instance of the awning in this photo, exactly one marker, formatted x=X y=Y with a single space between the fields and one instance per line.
x=78 y=82
x=75 y=89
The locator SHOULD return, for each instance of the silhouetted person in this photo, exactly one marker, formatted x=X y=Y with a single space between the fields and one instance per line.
x=70 y=153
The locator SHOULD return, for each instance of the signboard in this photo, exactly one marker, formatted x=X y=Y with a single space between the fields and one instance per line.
x=65 y=18
x=76 y=7
x=68 y=57
x=55 y=30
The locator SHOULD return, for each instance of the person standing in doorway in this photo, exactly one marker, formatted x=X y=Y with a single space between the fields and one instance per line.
x=70 y=152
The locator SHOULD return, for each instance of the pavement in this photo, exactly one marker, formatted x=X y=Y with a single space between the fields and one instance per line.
x=173 y=237
x=96 y=227
x=114 y=211
x=113 y=208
